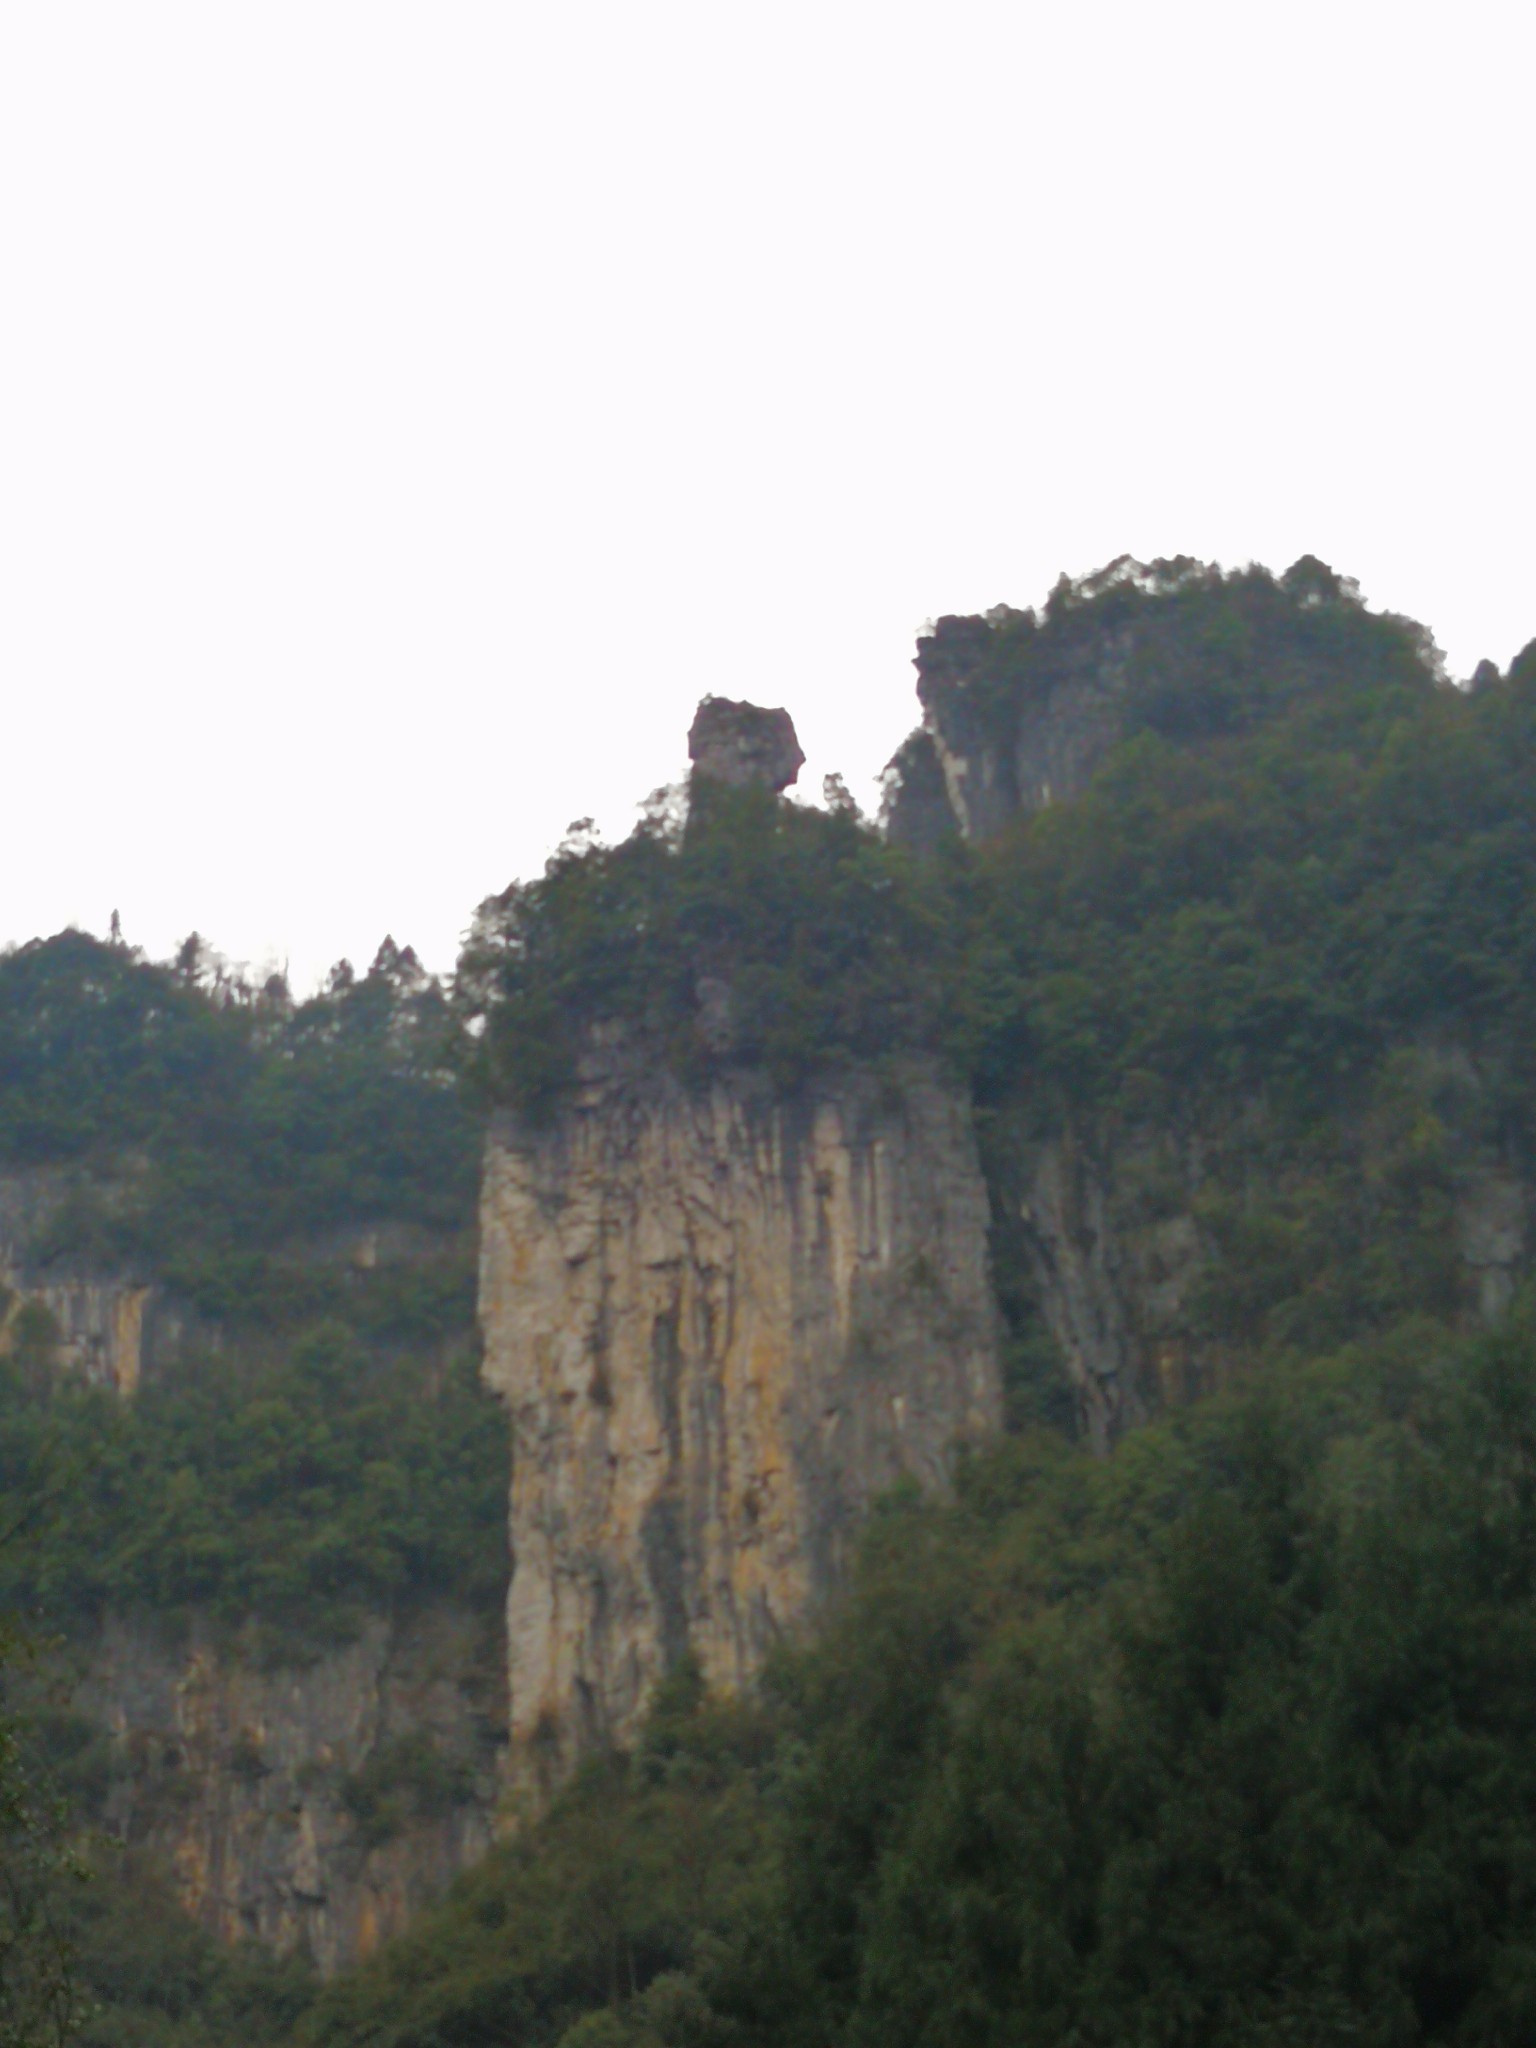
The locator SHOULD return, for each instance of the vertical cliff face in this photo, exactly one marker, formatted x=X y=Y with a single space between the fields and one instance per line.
x=1159 y=1255
x=110 y=1328
x=722 y=1321
x=95 y=1328
x=1048 y=755
x=1007 y=741
x=315 y=1805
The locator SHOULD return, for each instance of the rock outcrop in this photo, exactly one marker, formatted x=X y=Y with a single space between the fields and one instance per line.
x=93 y=1328
x=1157 y=1253
x=743 y=745
x=723 y=1321
x=1007 y=743
x=110 y=1328
x=1022 y=708
x=313 y=1805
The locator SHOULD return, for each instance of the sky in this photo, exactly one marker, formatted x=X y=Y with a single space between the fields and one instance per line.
x=407 y=413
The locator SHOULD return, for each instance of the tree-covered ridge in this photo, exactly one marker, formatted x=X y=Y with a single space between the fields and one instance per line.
x=320 y=1442
x=1280 y=906
x=1304 y=844
x=758 y=931
x=214 y=1124
x=1189 y=650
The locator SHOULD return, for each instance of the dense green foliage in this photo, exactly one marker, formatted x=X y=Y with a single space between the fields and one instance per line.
x=303 y=1485
x=320 y=1442
x=1224 y=1742
x=1306 y=847
x=761 y=932
x=213 y=1125
x=39 y=1996
x=145 y=1976
x=1279 y=907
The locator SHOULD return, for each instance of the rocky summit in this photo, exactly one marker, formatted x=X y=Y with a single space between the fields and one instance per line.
x=744 y=746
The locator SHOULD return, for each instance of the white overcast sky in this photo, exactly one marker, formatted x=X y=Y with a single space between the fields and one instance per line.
x=408 y=412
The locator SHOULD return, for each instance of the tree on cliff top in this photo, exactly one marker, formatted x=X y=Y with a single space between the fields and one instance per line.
x=1190 y=650
x=761 y=933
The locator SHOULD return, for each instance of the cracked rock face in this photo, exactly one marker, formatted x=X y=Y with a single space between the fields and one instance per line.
x=314 y=1806
x=722 y=1323
x=743 y=745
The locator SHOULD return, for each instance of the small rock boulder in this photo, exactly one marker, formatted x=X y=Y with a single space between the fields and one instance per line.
x=744 y=745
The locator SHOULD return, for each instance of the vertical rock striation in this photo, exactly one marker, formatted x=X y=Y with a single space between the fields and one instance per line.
x=723 y=1320
x=105 y=1327
x=314 y=1805
x=1158 y=1254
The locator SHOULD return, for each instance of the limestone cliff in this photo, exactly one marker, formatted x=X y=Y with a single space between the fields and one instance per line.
x=723 y=1320
x=1005 y=747
x=107 y=1326
x=1157 y=1255
x=113 y=1324
x=1022 y=708
x=315 y=1804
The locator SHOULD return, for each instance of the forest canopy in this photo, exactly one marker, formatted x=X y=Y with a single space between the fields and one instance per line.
x=1304 y=846
x=1222 y=1742
x=320 y=1442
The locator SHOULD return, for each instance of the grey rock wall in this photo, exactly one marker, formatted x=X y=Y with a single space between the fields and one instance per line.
x=312 y=1805
x=1117 y=1227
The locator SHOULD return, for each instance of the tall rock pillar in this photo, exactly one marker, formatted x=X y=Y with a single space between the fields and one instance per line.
x=723 y=1320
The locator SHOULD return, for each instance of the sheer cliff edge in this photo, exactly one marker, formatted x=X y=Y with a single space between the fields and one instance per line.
x=723 y=1321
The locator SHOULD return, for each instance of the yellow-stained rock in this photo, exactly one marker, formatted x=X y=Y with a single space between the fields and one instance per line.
x=723 y=1320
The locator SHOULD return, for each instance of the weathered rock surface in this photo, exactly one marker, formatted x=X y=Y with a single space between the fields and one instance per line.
x=316 y=1805
x=110 y=1328
x=1126 y=1232
x=917 y=808
x=722 y=1321
x=1047 y=756
x=96 y=1328
x=744 y=745
x=1005 y=751
x=117 y=1328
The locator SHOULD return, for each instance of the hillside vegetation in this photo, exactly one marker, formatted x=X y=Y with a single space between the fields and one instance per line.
x=323 y=1443
x=1222 y=1742
x=1225 y=1741
x=1219 y=1742
x=1306 y=845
